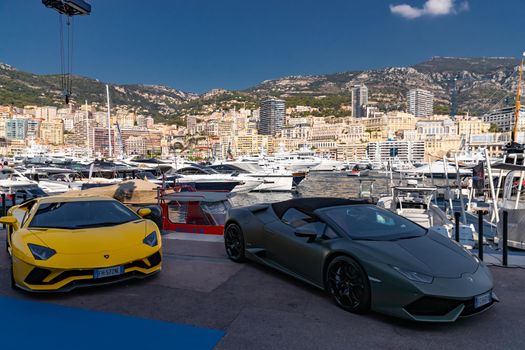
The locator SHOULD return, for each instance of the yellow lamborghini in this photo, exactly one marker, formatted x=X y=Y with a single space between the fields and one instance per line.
x=61 y=243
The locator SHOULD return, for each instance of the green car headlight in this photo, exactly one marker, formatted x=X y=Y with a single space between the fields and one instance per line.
x=151 y=239
x=41 y=253
x=414 y=276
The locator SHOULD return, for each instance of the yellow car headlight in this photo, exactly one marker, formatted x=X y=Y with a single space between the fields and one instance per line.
x=151 y=239
x=41 y=253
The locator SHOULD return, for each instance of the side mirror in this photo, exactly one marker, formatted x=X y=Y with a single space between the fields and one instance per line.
x=306 y=233
x=8 y=220
x=143 y=212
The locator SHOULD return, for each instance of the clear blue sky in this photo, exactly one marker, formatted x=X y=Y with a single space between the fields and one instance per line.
x=197 y=45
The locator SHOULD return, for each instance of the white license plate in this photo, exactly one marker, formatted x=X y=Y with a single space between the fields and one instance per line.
x=110 y=271
x=483 y=299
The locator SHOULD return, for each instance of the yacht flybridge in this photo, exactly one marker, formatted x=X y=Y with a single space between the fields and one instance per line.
x=415 y=203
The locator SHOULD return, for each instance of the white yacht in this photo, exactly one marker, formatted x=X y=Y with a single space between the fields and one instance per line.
x=438 y=170
x=193 y=172
x=415 y=203
x=328 y=164
x=302 y=160
x=272 y=179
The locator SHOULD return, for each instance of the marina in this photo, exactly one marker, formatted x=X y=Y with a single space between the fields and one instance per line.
x=157 y=192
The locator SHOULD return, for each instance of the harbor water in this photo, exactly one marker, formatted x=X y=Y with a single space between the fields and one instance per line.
x=321 y=184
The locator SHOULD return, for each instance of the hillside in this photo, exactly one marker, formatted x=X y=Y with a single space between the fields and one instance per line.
x=21 y=88
x=482 y=84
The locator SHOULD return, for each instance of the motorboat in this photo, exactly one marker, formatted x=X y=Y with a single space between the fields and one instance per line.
x=195 y=173
x=274 y=180
x=437 y=170
x=17 y=191
x=171 y=181
x=327 y=164
x=302 y=160
x=415 y=203
x=513 y=202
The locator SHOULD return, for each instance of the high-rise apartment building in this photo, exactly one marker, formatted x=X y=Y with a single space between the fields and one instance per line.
x=16 y=129
x=359 y=101
x=52 y=132
x=505 y=118
x=33 y=127
x=420 y=103
x=271 y=117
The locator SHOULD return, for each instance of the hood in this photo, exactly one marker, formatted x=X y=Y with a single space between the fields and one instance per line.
x=96 y=239
x=432 y=254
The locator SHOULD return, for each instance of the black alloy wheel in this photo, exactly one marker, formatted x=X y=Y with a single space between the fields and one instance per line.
x=234 y=243
x=348 y=284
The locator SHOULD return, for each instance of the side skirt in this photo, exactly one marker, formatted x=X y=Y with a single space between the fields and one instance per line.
x=257 y=255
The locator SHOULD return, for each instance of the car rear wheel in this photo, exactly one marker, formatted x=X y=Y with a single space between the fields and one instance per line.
x=348 y=284
x=234 y=243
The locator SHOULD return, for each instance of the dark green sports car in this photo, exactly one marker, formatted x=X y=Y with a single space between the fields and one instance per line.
x=364 y=256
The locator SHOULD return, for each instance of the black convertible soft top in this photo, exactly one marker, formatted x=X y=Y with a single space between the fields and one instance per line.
x=310 y=204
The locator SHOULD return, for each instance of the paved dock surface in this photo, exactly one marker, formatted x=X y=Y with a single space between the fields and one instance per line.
x=254 y=307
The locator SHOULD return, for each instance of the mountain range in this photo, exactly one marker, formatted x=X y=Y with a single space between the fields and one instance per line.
x=482 y=84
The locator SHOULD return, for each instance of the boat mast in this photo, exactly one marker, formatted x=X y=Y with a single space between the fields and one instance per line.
x=87 y=130
x=110 y=153
x=518 y=104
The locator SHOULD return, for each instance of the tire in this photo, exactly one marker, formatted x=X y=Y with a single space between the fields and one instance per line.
x=234 y=243
x=348 y=284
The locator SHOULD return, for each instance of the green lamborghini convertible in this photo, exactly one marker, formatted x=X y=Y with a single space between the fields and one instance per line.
x=365 y=257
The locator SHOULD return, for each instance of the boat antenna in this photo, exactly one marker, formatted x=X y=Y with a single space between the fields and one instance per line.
x=518 y=103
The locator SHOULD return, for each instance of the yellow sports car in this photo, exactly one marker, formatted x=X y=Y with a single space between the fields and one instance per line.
x=61 y=243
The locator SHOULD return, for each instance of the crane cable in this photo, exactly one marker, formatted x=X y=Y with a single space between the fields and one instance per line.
x=66 y=55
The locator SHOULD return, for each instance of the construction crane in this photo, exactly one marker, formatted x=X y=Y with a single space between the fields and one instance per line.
x=67 y=9
x=514 y=146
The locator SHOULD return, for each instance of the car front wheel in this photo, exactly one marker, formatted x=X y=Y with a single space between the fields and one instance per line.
x=234 y=243
x=348 y=284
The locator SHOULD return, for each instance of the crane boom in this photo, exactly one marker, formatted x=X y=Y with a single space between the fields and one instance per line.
x=69 y=7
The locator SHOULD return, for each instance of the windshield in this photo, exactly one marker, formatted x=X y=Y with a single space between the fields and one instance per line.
x=81 y=214
x=368 y=222
x=36 y=192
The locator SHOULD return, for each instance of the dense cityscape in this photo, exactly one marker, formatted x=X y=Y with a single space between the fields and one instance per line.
x=415 y=135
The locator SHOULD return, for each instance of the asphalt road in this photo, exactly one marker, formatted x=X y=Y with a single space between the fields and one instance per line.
x=259 y=308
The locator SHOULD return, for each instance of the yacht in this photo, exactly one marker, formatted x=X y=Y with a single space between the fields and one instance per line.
x=277 y=180
x=415 y=203
x=198 y=173
x=437 y=170
x=328 y=164
x=302 y=160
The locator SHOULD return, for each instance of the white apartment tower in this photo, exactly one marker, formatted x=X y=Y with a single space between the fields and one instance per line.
x=271 y=116
x=420 y=103
x=359 y=100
